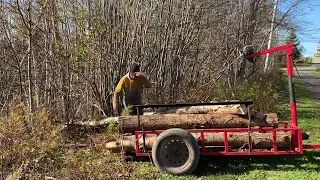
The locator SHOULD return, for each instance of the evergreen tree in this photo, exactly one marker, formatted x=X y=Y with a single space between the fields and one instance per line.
x=297 y=50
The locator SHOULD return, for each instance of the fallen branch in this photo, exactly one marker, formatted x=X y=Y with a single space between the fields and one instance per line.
x=102 y=122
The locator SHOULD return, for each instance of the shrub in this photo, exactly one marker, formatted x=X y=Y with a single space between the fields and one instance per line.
x=26 y=139
x=263 y=89
x=32 y=147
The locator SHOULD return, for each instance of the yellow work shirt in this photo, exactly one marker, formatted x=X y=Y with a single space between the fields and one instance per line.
x=131 y=90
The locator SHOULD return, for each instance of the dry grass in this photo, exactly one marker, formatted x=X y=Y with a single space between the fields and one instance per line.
x=32 y=146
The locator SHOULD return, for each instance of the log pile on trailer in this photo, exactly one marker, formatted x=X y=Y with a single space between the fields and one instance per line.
x=199 y=117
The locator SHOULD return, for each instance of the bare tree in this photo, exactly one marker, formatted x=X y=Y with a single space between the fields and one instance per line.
x=67 y=56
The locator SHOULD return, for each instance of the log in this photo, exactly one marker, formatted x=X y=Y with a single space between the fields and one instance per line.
x=208 y=109
x=103 y=122
x=266 y=119
x=189 y=121
x=235 y=141
x=271 y=118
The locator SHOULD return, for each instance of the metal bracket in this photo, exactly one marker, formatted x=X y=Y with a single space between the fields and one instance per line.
x=142 y=127
x=249 y=128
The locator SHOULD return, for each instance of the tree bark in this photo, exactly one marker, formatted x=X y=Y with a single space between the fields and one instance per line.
x=235 y=141
x=189 y=121
x=228 y=109
x=28 y=24
x=270 y=119
x=30 y=81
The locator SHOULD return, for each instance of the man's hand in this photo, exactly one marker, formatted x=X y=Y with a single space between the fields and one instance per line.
x=138 y=73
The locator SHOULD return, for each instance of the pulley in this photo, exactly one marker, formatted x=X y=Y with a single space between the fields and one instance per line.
x=248 y=49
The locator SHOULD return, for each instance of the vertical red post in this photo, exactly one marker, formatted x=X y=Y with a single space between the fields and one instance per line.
x=274 y=140
x=293 y=107
x=299 y=135
x=137 y=143
x=203 y=150
x=226 y=144
x=285 y=125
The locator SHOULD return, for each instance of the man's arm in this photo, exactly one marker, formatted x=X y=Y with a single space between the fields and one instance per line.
x=146 y=82
x=118 y=92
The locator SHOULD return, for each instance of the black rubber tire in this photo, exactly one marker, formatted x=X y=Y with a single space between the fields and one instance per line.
x=164 y=157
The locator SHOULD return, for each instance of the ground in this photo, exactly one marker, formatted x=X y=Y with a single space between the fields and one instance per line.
x=305 y=166
x=310 y=78
x=92 y=161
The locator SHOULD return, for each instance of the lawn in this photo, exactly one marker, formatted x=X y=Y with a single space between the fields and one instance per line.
x=303 y=64
x=305 y=166
x=317 y=73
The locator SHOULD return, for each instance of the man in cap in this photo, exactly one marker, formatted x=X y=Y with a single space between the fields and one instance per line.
x=129 y=90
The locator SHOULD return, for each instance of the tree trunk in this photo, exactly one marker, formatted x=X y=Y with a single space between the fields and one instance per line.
x=235 y=141
x=30 y=80
x=189 y=121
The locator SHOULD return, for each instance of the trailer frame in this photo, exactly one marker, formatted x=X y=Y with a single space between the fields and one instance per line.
x=297 y=146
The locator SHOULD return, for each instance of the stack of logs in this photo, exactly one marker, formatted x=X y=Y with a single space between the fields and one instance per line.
x=200 y=117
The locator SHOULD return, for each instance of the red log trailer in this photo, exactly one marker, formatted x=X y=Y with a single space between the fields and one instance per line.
x=177 y=152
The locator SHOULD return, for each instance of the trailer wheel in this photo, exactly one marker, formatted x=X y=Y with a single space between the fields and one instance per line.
x=176 y=152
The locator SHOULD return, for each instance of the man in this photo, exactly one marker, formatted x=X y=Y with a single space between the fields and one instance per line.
x=130 y=87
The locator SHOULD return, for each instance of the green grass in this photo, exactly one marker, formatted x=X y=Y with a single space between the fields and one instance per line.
x=303 y=64
x=289 y=167
x=317 y=73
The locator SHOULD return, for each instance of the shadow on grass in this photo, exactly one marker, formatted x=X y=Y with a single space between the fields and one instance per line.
x=235 y=165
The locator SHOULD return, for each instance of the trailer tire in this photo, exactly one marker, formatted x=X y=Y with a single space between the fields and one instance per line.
x=176 y=152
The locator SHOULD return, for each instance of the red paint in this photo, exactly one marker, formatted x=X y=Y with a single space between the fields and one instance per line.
x=311 y=146
x=300 y=145
x=137 y=143
x=143 y=154
x=297 y=131
x=283 y=122
x=289 y=60
x=249 y=143
x=285 y=125
x=293 y=108
x=291 y=127
x=262 y=129
x=202 y=142
x=265 y=152
x=271 y=50
x=274 y=141
x=226 y=143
